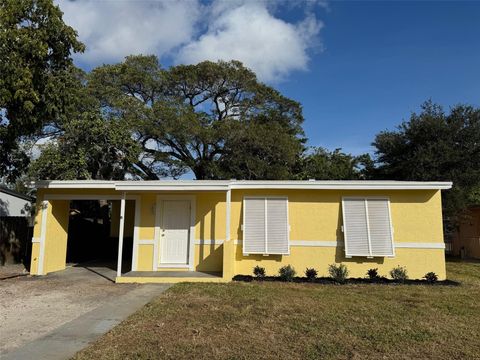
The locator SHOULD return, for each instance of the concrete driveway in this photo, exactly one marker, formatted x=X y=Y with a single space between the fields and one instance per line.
x=32 y=307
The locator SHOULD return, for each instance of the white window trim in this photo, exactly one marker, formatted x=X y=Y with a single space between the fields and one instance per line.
x=344 y=228
x=158 y=225
x=266 y=239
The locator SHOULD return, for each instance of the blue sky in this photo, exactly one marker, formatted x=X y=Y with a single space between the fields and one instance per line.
x=356 y=67
x=380 y=61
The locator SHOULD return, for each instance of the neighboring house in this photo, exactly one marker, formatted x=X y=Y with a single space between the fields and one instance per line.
x=466 y=240
x=13 y=203
x=213 y=230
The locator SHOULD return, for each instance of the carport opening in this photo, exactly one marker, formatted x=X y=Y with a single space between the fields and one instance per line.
x=93 y=233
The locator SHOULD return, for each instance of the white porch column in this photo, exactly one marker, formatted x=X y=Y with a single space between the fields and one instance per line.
x=228 y=245
x=227 y=221
x=43 y=233
x=120 y=235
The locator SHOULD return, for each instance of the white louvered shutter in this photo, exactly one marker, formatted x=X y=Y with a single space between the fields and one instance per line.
x=367 y=227
x=254 y=226
x=379 y=226
x=355 y=227
x=265 y=226
x=277 y=226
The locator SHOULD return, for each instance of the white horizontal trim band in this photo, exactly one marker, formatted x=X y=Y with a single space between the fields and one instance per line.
x=209 y=242
x=35 y=240
x=322 y=243
x=197 y=242
x=146 y=242
x=318 y=243
x=413 y=245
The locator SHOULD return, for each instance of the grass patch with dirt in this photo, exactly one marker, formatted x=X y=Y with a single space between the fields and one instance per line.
x=271 y=320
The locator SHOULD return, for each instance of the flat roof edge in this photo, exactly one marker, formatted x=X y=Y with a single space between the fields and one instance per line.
x=73 y=184
x=222 y=185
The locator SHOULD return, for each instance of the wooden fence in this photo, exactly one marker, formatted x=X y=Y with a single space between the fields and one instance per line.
x=15 y=240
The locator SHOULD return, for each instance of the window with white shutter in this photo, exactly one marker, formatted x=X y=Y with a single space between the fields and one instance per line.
x=265 y=225
x=367 y=227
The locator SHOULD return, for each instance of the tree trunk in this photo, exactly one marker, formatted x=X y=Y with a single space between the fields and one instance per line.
x=200 y=172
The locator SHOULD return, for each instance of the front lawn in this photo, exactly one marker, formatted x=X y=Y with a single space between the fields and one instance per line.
x=303 y=321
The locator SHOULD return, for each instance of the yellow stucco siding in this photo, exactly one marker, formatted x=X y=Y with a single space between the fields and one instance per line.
x=209 y=258
x=56 y=241
x=37 y=219
x=147 y=216
x=210 y=216
x=317 y=214
x=35 y=258
x=314 y=215
x=417 y=261
x=209 y=226
x=145 y=257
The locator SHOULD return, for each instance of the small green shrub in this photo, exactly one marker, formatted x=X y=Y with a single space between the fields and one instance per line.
x=373 y=274
x=287 y=273
x=399 y=274
x=311 y=274
x=431 y=277
x=338 y=273
x=259 y=272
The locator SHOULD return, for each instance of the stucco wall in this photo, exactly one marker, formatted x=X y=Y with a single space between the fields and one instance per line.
x=317 y=216
x=314 y=215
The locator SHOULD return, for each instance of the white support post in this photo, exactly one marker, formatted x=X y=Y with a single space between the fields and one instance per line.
x=227 y=219
x=120 y=235
x=228 y=246
x=43 y=233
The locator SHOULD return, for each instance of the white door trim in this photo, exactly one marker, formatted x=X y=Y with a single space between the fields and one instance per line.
x=136 y=229
x=158 y=221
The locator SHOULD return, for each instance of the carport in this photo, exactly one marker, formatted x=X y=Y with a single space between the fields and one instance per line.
x=49 y=243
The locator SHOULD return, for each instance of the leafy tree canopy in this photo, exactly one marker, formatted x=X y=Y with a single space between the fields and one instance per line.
x=213 y=119
x=35 y=72
x=435 y=146
x=321 y=164
x=89 y=147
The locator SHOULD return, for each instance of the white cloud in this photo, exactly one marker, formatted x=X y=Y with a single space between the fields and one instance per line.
x=112 y=30
x=249 y=32
x=189 y=32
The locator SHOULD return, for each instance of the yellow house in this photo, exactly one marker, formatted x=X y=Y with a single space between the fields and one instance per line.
x=213 y=230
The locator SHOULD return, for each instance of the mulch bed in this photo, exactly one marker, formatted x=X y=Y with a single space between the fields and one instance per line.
x=330 y=281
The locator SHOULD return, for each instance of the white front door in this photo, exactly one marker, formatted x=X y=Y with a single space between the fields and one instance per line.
x=175 y=232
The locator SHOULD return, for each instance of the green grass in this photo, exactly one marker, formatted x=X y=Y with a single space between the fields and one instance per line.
x=303 y=321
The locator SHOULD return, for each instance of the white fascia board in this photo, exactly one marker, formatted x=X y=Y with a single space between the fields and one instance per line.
x=175 y=185
x=74 y=184
x=342 y=185
x=224 y=185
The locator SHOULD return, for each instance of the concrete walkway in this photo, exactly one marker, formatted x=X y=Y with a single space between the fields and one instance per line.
x=68 y=339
